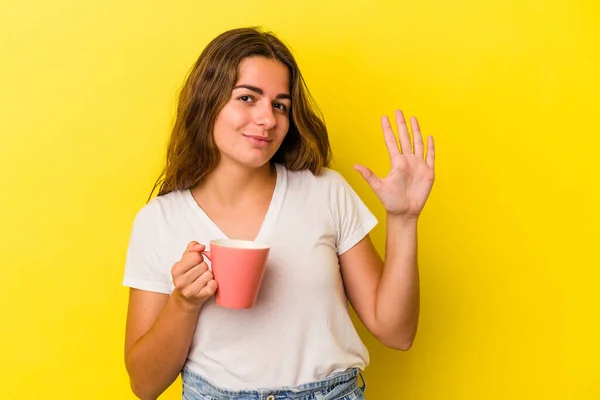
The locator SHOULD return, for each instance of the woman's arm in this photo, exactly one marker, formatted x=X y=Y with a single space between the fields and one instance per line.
x=160 y=327
x=385 y=296
x=158 y=336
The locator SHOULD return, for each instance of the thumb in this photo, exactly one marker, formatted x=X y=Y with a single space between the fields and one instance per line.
x=194 y=246
x=368 y=175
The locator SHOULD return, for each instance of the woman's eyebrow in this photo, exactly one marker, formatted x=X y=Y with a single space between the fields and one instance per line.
x=261 y=92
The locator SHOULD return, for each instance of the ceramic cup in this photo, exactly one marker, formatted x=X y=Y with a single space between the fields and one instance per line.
x=238 y=267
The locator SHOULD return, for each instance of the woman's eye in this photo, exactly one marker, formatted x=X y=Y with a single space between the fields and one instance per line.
x=280 y=106
x=245 y=99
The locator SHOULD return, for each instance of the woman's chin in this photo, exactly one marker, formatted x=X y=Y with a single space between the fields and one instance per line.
x=253 y=163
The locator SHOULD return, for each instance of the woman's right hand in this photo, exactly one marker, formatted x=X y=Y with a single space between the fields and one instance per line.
x=194 y=282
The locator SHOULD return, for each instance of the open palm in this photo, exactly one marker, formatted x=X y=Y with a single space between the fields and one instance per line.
x=405 y=189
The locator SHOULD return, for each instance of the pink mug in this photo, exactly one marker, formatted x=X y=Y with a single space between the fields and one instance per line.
x=238 y=267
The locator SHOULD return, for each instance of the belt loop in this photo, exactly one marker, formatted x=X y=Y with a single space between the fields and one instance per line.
x=319 y=396
x=364 y=386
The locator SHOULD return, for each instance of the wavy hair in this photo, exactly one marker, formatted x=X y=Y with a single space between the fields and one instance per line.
x=192 y=153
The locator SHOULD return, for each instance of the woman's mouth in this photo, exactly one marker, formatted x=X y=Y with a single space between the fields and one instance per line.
x=261 y=141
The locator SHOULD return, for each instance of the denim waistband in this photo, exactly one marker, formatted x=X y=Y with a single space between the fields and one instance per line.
x=334 y=386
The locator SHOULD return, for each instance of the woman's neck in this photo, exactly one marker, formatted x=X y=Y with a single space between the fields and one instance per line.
x=230 y=184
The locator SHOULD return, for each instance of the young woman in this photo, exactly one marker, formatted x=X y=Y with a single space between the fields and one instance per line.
x=248 y=159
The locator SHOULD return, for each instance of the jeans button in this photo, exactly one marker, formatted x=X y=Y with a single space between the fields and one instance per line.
x=271 y=397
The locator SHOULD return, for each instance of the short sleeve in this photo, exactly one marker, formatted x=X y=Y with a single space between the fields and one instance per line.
x=352 y=217
x=143 y=263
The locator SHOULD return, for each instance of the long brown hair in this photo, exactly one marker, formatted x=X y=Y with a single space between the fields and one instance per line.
x=192 y=153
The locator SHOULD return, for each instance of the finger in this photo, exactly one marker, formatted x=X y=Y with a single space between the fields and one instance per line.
x=193 y=246
x=192 y=259
x=209 y=289
x=418 y=138
x=196 y=287
x=403 y=133
x=373 y=180
x=187 y=262
x=192 y=275
x=430 y=152
x=390 y=139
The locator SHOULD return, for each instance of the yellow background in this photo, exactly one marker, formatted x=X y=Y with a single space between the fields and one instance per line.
x=508 y=241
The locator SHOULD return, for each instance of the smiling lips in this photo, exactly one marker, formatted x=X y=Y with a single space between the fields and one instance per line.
x=259 y=140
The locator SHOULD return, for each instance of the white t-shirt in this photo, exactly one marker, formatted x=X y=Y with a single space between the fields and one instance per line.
x=300 y=329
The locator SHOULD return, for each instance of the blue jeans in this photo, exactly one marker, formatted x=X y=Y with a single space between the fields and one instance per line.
x=338 y=386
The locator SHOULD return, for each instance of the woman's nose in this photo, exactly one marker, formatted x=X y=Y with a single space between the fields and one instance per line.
x=264 y=116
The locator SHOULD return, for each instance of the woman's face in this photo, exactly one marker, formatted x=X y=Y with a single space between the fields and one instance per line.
x=253 y=123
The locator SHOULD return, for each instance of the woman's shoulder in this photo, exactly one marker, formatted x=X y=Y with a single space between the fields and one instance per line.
x=161 y=207
x=329 y=183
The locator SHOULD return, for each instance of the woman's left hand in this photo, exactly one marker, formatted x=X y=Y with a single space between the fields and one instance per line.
x=405 y=189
